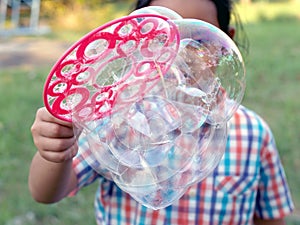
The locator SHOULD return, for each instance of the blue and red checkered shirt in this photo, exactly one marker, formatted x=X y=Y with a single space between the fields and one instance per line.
x=248 y=182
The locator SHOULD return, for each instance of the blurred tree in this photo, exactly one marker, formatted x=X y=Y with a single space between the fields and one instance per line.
x=245 y=1
x=81 y=15
x=90 y=3
x=51 y=8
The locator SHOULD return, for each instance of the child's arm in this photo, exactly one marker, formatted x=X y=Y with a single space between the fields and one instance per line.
x=51 y=176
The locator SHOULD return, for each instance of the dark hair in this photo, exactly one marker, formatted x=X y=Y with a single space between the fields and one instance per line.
x=142 y=3
x=224 y=8
x=225 y=13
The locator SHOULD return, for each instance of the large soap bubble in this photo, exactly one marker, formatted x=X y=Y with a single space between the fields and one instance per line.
x=152 y=93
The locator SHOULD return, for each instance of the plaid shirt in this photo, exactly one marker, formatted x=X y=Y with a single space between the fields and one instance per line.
x=249 y=181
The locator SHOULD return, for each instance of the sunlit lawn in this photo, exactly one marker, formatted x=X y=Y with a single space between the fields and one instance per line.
x=273 y=76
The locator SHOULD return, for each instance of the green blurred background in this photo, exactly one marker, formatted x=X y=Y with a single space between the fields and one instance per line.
x=273 y=76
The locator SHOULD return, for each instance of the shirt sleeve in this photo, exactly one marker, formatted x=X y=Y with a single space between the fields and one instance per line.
x=273 y=198
x=84 y=172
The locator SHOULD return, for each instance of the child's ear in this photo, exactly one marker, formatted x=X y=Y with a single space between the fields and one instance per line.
x=231 y=32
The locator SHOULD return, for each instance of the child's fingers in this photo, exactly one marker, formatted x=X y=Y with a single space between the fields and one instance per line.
x=54 y=130
x=54 y=144
x=59 y=157
x=44 y=115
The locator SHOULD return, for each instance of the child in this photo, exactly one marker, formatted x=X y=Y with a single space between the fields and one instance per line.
x=247 y=187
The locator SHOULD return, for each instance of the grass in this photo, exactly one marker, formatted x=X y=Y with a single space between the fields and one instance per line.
x=273 y=75
x=20 y=93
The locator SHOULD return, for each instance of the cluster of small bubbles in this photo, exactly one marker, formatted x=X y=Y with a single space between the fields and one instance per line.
x=165 y=130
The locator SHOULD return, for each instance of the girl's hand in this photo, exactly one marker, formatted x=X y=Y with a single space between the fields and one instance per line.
x=54 y=138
